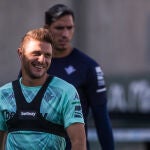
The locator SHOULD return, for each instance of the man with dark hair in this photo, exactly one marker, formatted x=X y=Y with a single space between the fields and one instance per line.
x=38 y=110
x=83 y=72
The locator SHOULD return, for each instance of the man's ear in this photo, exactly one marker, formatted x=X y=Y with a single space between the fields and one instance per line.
x=19 y=51
x=46 y=26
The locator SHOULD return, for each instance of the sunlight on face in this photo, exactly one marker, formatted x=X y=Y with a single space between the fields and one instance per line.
x=36 y=58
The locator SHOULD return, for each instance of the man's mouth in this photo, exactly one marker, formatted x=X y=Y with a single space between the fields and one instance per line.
x=38 y=67
x=63 y=41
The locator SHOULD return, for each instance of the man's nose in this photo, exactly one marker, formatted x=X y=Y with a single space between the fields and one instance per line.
x=65 y=33
x=41 y=58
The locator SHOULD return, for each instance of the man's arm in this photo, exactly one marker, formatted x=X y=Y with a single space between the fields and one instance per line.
x=103 y=127
x=97 y=96
x=2 y=139
x=76 y=133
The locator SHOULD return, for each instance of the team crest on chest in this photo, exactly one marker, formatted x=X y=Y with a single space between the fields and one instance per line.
x=70 y=69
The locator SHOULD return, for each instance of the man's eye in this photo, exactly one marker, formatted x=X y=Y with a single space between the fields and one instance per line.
x=59 y=28
x=48 y=56
x=36 y=53
x=69 y=28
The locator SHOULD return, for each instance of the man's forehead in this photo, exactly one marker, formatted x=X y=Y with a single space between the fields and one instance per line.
x=64 y=19
x=36 y=43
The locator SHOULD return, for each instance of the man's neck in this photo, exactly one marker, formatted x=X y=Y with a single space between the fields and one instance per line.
x=62 y=53
x=34 y=82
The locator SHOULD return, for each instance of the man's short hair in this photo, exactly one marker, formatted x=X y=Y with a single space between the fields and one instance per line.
x=56 y=12
x=39 y=34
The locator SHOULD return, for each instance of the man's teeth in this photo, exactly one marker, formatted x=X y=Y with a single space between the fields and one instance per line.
x=40 y=67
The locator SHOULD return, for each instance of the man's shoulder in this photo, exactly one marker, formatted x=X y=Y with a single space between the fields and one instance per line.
x=80 y=53
x=83 y=57
x=59 y=82
x=6 y=86
x=6 y=89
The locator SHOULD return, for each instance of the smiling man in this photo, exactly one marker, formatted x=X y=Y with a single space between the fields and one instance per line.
x=38 y=110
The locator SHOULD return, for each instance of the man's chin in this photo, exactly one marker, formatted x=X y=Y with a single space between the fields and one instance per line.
x=37 y=76
x=61 y=48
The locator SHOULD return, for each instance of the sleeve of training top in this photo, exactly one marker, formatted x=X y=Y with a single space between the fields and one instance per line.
x=96 y=91
x=103 y=127
x=72 y=108
x=95 y=86
x=2 y=121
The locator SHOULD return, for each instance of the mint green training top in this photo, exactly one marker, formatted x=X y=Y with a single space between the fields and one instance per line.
x=60 y=104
